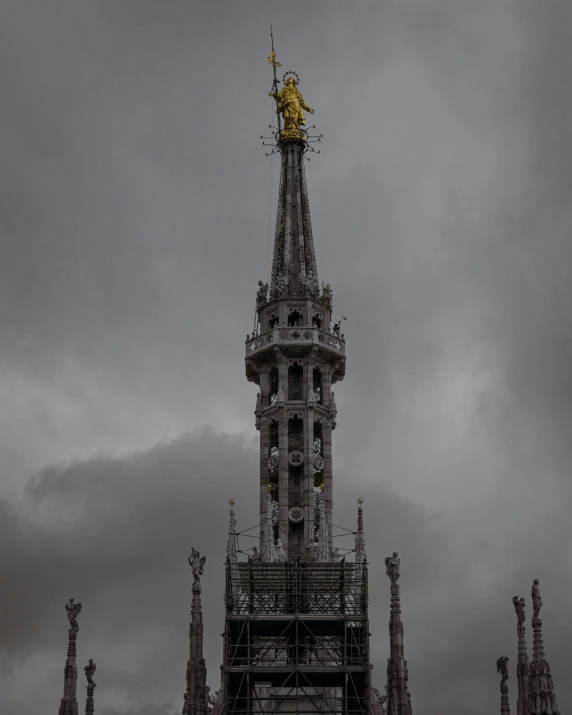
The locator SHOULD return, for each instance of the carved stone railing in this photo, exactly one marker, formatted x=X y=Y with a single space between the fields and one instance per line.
x=289 y=336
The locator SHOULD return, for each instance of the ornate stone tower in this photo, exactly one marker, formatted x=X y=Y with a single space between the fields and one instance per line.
x=295 y=356
x=296 y=631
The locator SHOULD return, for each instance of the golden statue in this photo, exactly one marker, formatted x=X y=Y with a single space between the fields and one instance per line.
x=291 y=105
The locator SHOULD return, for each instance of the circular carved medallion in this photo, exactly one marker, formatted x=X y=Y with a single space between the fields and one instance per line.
x=318 y=462
x=296 y=515
x=295 y=458
x=273 y=462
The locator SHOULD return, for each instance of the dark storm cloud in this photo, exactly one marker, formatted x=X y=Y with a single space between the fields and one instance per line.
x=134 y=222
x=115 y=534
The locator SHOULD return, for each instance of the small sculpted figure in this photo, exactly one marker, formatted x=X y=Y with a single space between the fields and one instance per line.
x=255 y=554
x=336 y=330
x=336 y=554
x=326 y=293
x=502 y=668
x=279 y=550
x=261 y=293
x=536 y=599
x=197 y=564
x=89 y=670
x=392 y=566
x=519 y=609
x=73 y=610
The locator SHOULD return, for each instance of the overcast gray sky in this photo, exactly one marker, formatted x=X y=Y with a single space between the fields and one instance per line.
x=135 y=207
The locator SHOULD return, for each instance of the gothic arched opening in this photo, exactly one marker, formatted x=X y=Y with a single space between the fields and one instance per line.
x=296 y=382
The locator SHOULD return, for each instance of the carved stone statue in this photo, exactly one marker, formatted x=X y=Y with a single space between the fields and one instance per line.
x=502 y=668
x=255 y=554
x=73 y=610
x=261 y=294
x=290 y=105
x=519 y=609
x=536 y=599
x=336 y=330
x=279 y=551
x=327 y=293
x=336 y=556
x=281 y=286
x=392 y=564
x=197 y=564
x=89 y=670
x=211 y=699
x=310 y=553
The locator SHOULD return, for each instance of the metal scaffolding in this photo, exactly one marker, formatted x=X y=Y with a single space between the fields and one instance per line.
x=296 y=638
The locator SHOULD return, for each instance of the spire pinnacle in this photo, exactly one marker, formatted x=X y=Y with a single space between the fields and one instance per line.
x=502 y=668
x=399 y=699
x=541 y=698
x=68 y=705
x=522 y=662
x=196 y=675
x=89 y=670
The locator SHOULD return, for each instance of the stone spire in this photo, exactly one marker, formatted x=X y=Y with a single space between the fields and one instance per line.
x=294 y=270
x=89 y=670
x=360 y=544
x=398 y=698
x=522 y=662
x=323 y=551
x=68 y=705
x=268 y=550
x=232 y=551
x=196 y=694
x=502 y=668
x=541 y=698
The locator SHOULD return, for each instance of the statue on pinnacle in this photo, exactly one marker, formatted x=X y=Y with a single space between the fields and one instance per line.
x=197 y=563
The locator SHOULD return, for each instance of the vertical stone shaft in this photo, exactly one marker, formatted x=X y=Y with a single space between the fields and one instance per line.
x=522 y=662
x=398 y=700
x=541 y=697
x=504 y=702
x=68 y=705
x=89 y=704
x=196 y=700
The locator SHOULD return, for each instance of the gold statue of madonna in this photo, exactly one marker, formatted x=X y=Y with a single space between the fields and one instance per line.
x=291 y=105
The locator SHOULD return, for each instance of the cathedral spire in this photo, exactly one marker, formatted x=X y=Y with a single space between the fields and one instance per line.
x=522 y=662
x=541 y=698
x=68 y=705
x=399 y=699
x=502 y=668
x=196 y=693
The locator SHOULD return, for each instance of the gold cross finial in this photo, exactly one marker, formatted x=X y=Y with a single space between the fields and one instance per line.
x=322 y=487
x=272 y=60
x=360 y=501
x=231 y=502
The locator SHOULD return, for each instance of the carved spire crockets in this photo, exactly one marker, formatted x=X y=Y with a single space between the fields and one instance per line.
x=502 y=668
x=398 y=697
x=68 y=705
x=268 y=549
x=89 y=670
x=522 y=662
x=196 y=676
x=294 y=269
x=541 y=698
